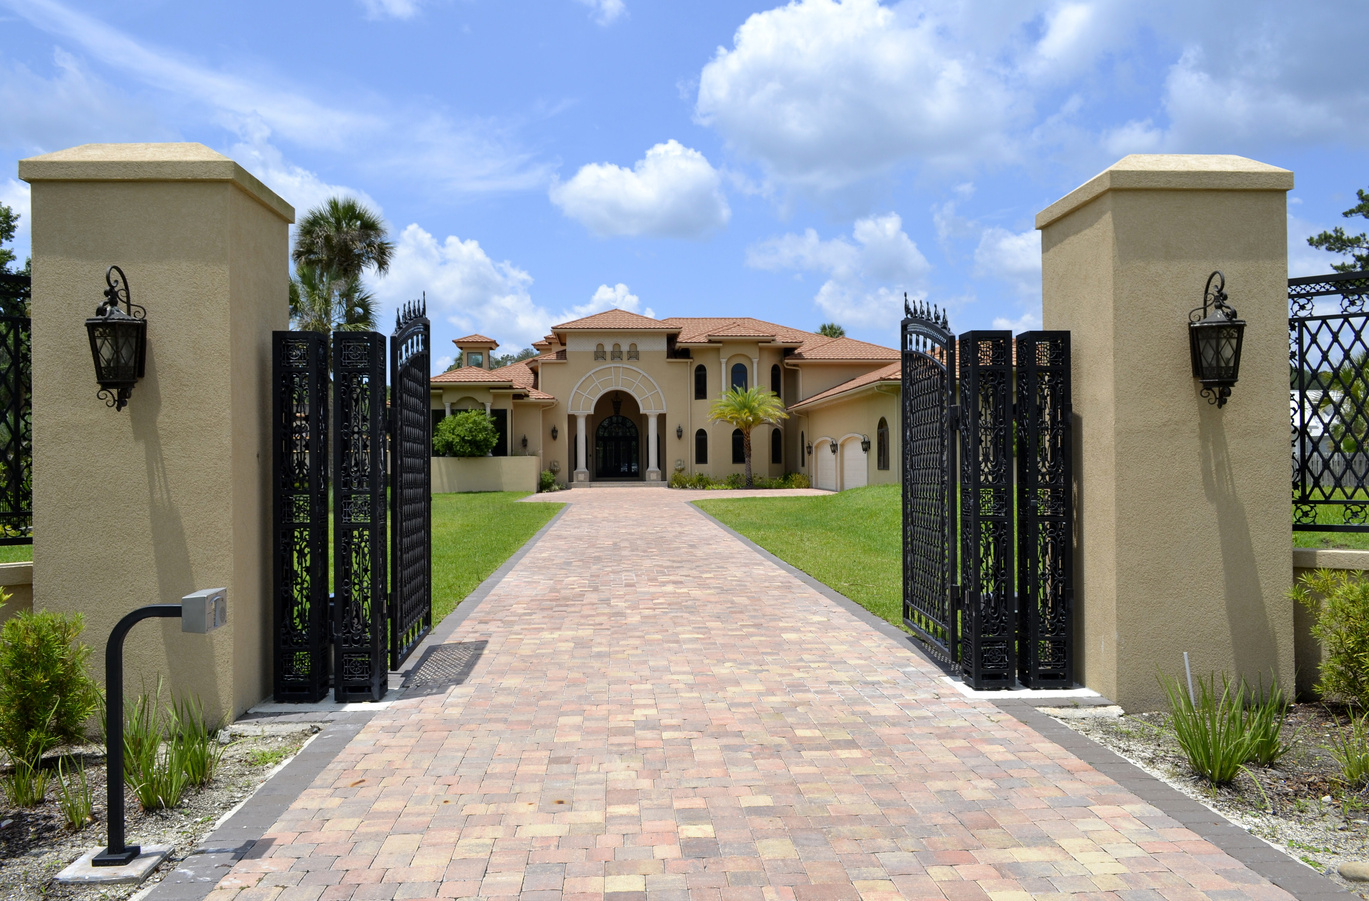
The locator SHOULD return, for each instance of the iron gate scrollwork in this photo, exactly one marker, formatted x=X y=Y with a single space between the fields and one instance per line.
x=16 y=411
x=299 y=411
x=411 y=599
x=1006 y=402
x=359 y=517
x=1328 y=352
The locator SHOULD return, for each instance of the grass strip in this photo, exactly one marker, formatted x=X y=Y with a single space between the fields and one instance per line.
x=848 y=541
x=473 y=534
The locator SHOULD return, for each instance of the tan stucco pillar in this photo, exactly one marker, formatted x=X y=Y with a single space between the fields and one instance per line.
x=1183 y=508
x=172 y=494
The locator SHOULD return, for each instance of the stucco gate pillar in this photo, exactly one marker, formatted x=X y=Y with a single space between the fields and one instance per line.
x=1183 y=508
x=172 y=494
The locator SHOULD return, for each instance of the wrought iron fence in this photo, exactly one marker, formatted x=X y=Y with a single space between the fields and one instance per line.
x=1328 y=350
x=16 y=411
x=411 y=607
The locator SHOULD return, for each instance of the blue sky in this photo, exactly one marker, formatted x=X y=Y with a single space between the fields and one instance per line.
x=538 y=160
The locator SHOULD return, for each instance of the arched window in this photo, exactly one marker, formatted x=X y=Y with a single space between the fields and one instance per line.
x=701 y=382
x=701 y=445
x=776 y=446
x=617 y=352
x=738 y=447
x=776 y=383
x=632 y=352
x=882 y=444
x=803 y=450
x=599 y=352
x=739 y=376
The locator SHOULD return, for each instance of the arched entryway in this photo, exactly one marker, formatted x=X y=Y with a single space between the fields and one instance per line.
x=641 y=402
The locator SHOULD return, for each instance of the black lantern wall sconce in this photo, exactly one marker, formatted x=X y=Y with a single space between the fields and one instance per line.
x=118 y=342
x=810 y=448
x=832 y=446
x=553 y=433
x=679 y=432
x=865 y=443
x=1214 y=341
x=524 y=442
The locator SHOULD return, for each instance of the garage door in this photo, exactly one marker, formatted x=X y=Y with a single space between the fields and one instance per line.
x=853 y=469
x=827 y=466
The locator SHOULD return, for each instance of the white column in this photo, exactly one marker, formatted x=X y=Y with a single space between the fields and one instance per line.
x=448 y=405
x=487 y=408
x=722 y=368
x=653 y=469
x=755 y=372
x=581 y=467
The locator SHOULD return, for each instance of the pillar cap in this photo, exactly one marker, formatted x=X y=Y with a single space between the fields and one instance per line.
x=1172 y=172
x=149 y=162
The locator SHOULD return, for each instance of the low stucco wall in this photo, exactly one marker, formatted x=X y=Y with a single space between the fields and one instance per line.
x=1306 y=648
x=17 y=580
x=484 y=474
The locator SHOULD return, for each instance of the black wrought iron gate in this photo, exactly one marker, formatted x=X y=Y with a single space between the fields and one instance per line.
x=972 y=408
x=380 y=609
x=16 y=411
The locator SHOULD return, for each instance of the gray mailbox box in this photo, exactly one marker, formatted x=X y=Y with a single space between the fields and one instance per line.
x=205 y=610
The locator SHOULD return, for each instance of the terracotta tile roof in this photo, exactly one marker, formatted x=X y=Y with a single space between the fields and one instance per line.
x=613 y=319
x=519 y=373
x=891 y=373
x=554 y=355
x=697 y=329
x=827 y=349
x=475 y=339
x=468 y=375
x=741 y=330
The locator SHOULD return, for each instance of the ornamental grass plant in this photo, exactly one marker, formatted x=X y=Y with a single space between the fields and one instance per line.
x=1265 y=714
x=1210 y=728
x=1350 y=750
x=74 y=797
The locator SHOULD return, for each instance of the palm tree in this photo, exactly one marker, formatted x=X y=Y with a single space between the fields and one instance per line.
x=747 y=408
x=343 y=237
x=322 y=302
x=831 y=330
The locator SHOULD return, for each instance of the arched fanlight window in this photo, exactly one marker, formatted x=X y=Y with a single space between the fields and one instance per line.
x=701 y=446
x=882 y=444
x=739 y=379
x=599 y=352
x=701 y=382
x=776 y=446
x=776 y=382
x=738 y=446
x=632 y=352
x=617 y=352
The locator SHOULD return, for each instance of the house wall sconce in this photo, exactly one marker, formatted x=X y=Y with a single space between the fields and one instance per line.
x=679 y=431
x=832 y=446
x=865 y=443
x=1214 y=340
x=118 y=342
x=524 y=442
x=810 y=448
x=553 y=433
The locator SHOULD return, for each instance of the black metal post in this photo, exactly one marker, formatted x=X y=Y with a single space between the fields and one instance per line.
x=116 y=854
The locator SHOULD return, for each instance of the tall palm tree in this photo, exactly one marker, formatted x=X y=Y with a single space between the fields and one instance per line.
x=831 y=330
x=322 y=302
x=746 y=408
x=344 y=237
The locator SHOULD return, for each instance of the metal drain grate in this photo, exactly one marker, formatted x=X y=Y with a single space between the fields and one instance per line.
x=443 y=666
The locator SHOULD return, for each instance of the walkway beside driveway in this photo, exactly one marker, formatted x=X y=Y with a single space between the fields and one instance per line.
x=663 y=713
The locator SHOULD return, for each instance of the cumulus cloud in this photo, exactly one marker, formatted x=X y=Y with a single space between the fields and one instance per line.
x=1014 y=257
x=1025 y=323
x=390 y=9
x=672 y=192
x=605 y=12
x=825 y=93
x=618 y=297
x=296 y=185
x=866 y=276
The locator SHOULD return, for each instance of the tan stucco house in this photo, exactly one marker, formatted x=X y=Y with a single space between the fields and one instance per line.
x=622 y=397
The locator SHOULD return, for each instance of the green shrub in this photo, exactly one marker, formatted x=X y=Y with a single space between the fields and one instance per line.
x=547 y=481
x=797 y=480
x=1351 y=751
x=46 y=694
x=1340 y=603
x=1211 y=728
x=467 y=434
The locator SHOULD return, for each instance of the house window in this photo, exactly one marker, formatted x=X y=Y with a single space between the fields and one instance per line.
x=438 y=416
x=599 y=352
x=701 y=445
x=632 y=352
x=617 y=352
x=701 y=382
x=775 y=383
x=475 y=358
x=776 y=446
x=882 y=444
x=738 y=447
x=739 y=376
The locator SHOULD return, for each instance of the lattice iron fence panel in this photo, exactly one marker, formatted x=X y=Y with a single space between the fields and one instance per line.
x=16 y=411
x=1328 y=351
x=411 y=598
x=1004 y=414
x=299 y=411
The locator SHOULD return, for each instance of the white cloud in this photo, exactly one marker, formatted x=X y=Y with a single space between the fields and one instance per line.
x=605 y=11
x=618 y=297
x=1011 y=256
x=825 y=93
x=296 y=185
x=672 y=192
x=866 y=276
x=392 y=9
x=1025 y=323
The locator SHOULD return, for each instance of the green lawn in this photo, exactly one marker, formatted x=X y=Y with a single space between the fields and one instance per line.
x=473 y=534
x=16 y=553
x=849 y=541
x=1329 y=514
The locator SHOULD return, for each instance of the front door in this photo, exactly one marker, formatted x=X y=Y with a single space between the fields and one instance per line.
x=616 y=449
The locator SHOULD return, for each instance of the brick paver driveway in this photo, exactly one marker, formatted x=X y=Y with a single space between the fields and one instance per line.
x=661 y=713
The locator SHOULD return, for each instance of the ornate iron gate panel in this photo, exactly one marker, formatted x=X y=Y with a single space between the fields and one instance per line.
x=299 y=514
x=359 y=517
x=16 y=412
x=1045 y=510
x=411 y=595
x=989 y=624
x=1328 y=352
x=929 y=553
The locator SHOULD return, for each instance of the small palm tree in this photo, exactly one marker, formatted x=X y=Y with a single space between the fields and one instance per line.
x=321 y=302
x=343 y=237
x=746 y=408
x=831 y=330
